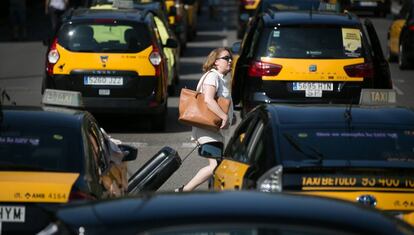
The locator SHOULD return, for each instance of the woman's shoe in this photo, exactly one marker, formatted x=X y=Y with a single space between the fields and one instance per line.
x=180 y=189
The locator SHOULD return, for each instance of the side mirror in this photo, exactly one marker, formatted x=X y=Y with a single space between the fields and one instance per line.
x=130 y=152
x=171 y=43
x=235 y=48
x=210 y=151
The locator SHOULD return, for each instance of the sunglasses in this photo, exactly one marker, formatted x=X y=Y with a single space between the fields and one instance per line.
x=226 y=58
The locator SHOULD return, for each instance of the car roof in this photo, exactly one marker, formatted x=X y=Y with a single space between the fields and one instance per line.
x=336 y=115
x=113 y=14
x=52 y=116
x=226 y=207
x=308 y=17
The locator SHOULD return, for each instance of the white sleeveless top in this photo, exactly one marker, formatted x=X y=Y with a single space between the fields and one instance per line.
x=216 y=79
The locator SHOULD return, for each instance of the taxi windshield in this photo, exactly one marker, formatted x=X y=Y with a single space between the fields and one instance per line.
x=39 y=148
x=104 y=36
x=343 y=144
x=312 y=41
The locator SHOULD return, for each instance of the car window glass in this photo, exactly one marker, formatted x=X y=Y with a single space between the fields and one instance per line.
x=312 y=42
x=255 y=148
x=363 y=144
x=38 y=146
x=113 y=37
x=237 y=146
x=98 y=148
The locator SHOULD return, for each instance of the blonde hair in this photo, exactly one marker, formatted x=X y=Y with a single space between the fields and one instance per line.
x=212 y=57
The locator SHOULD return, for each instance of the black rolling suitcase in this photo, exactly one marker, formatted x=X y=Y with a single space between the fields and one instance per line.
x=155 y=171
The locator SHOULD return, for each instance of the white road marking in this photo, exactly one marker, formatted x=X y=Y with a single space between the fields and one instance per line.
x=398 y=90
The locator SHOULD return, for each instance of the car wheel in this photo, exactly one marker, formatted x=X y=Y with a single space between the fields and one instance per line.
x=402 y=58
x=158 y=121
x=390 y=57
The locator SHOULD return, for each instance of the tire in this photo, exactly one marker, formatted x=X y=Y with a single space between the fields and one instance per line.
x=390 y=57
x=158 y=121
x=402 y=58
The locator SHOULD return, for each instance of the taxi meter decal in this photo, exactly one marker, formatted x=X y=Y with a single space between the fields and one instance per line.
x=356 y=182
x=351 y=40
x=36 y=186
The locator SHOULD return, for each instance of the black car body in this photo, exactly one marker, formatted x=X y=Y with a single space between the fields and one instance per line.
x=285 y=54
x=115 y=58
x=53 y=155
x=356 y=153
x=223 y=213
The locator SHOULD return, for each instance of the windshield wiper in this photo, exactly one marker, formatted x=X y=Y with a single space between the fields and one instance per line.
x=299 y=147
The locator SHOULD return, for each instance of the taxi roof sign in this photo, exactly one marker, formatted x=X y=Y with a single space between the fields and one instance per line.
x=378 y=97
x=123 y=4
x=62 y=98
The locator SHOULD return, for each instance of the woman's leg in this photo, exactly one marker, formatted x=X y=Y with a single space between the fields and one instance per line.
x=202 y=176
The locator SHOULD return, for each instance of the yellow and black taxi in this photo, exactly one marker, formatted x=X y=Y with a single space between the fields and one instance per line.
x=192 y=8
x=177 y=19
x=360 y=153
x=246 y=9
x=401 y=37
x=232 y=212
x=307 y=57
x=52 y=155
x=379 y=7
x=115 y=58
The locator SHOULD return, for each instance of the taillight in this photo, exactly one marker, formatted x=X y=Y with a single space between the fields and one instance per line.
x=52 y=57
x=155 y=59
x=260 y=68
x=411 y=27
x=78 y=195
x=247 y=2
x=360 y=70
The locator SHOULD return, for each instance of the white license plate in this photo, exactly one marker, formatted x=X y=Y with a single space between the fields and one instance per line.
x=103 y=80
x=368 y=4
x=14 y=214
x=104 y=92
x=307 y=86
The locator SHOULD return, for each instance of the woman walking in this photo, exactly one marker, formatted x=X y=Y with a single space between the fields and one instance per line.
x=212 y=84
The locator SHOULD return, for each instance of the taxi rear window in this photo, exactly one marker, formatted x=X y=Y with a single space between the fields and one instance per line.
x=319 y=42
x=40 y=148
x=105 y=36
x=302 y=5
x=347 y=144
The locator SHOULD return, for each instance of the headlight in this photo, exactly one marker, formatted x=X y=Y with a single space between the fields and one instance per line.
x=271 y=181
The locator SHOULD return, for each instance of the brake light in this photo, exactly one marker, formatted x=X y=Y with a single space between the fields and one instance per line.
x=78 y=195
x=52 y=57
x=155 y=59
x=411 y=27
x=260 y=68
x=247 y=2
x=360 y=70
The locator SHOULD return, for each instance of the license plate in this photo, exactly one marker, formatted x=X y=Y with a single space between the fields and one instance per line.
x=104 y=92
x=14 y=214
x=312 y=89
x=368 y=4
x=103 y=80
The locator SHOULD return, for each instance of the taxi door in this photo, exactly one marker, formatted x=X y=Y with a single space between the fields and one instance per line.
x=238 y=170
x=382 y=75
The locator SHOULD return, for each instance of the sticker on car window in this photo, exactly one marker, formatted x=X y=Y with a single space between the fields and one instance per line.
x=352 y=43
x=276 y=33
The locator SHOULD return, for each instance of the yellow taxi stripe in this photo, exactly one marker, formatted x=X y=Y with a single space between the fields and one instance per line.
x=48 y=187
x=138 y=62
x=327 y=70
